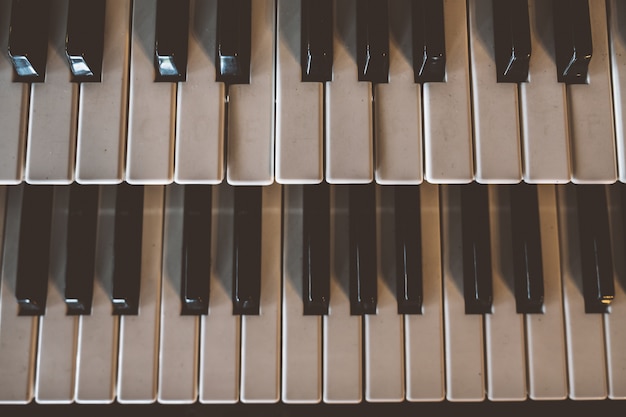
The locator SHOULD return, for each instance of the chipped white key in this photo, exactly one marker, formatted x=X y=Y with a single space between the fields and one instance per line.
x=200 y=106
x=617 y=43
x=102 y=107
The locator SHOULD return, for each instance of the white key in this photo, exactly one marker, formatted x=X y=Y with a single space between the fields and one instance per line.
x=18 y=334
x=151 y=107
x=465 y=379
x=139 y=335
x=299 y=107
x=56 y=352
x=200 y=107
x=398 y=109
x=342 y=332
x=584 y=333
x=53 y=107
x=13 y=110
x=504 y=328
x=495 y=111
x=260 y=335
x=545 y=335
x=349 y=130
x=448 y=135
x=102 y=107
x=423 y=333
x=96 y=362
x=614 y=337
x=302 y=335
x=591 y=110
x=618 y=73
x=251 y=107
x=178 y=348
x=383 y=342
x=543 y=105
x=219 y=340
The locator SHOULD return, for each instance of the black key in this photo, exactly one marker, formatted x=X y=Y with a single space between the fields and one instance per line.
x=572 y=40
x=316 y=249
x=171 y=40
x=233 y=39
x=81 y=248
x=526 y=238
x=409 y=289
x=34 y=250
x=316 y=40
x=28 y=39
x=247 y=250
x=429 y=41
x=477 y=285
x=363 y=272
x=196 y=257
x=511 y=32
x=84 y=42
x=372 y=40
x=595 y=248
x=127 y=249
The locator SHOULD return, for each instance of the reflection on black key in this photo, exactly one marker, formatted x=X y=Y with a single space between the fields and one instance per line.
x=316 y=249
x=81 y=248
x=28 y=39
x=526 y=237
x=408 y=250
x=247 y=250
x=595 y=248
x=372 y=40
x=233 y=41
x=171 y=40
x=429 y=42
x=572 y=40
x=84 y=42
x=477 y=286
x=196 y=257
x=127 y=249
x=316 y=40
x=363 y=272
x=34 y=250
x=511 y=32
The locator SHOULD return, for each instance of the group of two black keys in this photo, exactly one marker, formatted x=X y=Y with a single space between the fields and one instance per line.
x=85 y=40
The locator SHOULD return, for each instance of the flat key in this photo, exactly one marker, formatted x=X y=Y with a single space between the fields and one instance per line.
x=170 y=40
x=84 y=42
x=372 y=40
x=233 y=41
x=573 y=40
x=511 y=32
x=429 y=41
x=28 y=39
x=408 y=256
x=316 y=40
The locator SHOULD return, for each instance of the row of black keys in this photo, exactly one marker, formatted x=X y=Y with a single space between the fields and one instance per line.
x=85 y=40
x=35 y=226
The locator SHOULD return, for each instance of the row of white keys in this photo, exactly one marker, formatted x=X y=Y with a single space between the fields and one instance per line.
x=543 y=109
x=398 y=113
x=53 y=111
x=591 y=110
x=495 y=106
x=18 y=334
x=13 y=110
x=447 y=112
x=301 y=335
x=349 y=128
x=139 y=335
x=260 y=335
x=251 y=107
x=584 y=332
x=383 y=336
x=423 y=333
x=545 y=334
x=617 y=43
x=102 y=106
x=151 y=106
x=200 y=104
x=465 y=380
x=299 y=106
x=220 y=329
x=178 y=348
